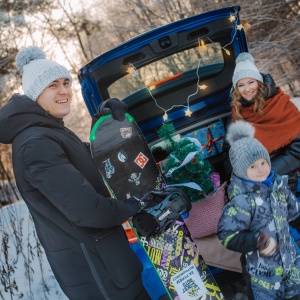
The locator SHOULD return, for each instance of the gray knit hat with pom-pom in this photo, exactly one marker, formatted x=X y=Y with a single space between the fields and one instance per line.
x=245 y=68
x=245 y=149
x=37 y=71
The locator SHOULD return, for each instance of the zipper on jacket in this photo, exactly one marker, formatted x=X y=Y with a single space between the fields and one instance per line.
x=94 y=272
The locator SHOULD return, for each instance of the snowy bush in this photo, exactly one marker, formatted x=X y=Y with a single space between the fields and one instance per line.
x=24 y=269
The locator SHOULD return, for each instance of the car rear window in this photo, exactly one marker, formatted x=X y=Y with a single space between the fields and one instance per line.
x=166 y=69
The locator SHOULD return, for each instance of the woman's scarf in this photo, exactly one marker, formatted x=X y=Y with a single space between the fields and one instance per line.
x=278 y=126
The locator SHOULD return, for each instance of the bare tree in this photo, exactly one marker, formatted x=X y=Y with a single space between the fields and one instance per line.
x=77 y=34
x=272 y=29
x=12 y=25
x=274 y=39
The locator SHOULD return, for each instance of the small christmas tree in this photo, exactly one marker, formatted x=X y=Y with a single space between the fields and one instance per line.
x=185 y=167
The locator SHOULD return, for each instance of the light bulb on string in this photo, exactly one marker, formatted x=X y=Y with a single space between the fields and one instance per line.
x=232 y=18
x=226 y=51
x=132 y=70
x=188 y=112
x=235 y=27
x=202 y=45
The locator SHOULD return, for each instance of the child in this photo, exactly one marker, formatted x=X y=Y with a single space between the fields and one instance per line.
x=256 y=220
x=257 y=100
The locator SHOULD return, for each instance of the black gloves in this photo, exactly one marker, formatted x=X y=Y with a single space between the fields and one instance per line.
x=134 y=205
x=113 y=106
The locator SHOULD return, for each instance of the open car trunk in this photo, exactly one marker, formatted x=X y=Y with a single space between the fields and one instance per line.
x=180 y=73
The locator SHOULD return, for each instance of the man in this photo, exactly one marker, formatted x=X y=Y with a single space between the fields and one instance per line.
x=77 y=222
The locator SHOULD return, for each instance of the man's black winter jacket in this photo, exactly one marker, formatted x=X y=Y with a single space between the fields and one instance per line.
x=77 y=222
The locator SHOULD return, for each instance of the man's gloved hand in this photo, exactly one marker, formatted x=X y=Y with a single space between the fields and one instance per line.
x=134 y=205
x=113 y=106
x=265 y=244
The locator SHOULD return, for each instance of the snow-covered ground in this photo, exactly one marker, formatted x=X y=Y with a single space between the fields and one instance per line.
x=24 y=270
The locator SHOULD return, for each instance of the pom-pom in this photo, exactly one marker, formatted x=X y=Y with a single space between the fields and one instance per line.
x=243 y=57
x=26 y=55
x=238 y=130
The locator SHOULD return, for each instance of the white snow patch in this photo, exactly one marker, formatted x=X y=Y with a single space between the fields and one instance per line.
x=24 y=269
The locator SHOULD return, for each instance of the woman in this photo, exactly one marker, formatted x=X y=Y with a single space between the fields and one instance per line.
x=275 y=118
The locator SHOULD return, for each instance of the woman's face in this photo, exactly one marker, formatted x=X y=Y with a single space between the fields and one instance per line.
x=248 y=88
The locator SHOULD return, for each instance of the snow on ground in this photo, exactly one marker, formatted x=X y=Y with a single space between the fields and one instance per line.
x=24 y=270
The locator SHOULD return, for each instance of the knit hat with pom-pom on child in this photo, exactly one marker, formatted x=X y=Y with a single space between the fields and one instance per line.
x=37 y=71
x=245 y=68
x=245 y=149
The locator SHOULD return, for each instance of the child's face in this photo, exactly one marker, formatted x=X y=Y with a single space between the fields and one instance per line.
x=259 y=170
x=248 y=88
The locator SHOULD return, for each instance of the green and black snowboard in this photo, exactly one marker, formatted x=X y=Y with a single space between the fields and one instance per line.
x=171 y=257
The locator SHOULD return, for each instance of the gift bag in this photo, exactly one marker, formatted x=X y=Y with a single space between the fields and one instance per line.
x=204 y=216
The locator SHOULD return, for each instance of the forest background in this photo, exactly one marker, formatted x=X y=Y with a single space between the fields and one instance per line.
x=75 y=32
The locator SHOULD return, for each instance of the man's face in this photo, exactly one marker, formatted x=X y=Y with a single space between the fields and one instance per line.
x=56 y=98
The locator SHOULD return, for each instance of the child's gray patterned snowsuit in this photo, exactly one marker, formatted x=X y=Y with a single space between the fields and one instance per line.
x=253 y=208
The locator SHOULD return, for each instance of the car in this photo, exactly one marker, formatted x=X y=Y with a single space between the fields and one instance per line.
x=186 y=63
x=179 y=74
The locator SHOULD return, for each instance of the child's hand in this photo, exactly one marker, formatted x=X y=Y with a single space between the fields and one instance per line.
x=266 y=245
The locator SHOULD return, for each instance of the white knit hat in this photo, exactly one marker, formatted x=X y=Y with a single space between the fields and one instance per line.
x=37 y=71
x=245 y=149
x=245 y=68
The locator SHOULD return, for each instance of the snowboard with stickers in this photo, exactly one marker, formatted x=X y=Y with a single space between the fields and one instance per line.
x=173 y=266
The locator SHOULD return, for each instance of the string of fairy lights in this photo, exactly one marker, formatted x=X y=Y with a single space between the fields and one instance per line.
x=202 y=47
